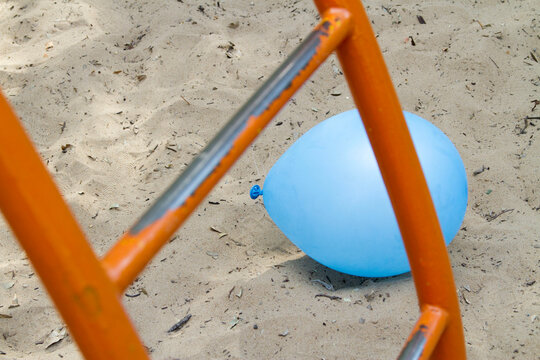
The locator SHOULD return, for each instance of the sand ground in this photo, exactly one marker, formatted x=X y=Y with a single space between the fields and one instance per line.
x=138 y=88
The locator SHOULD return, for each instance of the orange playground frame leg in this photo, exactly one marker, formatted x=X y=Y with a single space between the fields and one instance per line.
x=377 y=102
x=87 y=291
x=76 y=281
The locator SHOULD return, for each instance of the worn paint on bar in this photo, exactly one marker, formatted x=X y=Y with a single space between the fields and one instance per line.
x=415 y=346
x=136 y=247
x=206 y=162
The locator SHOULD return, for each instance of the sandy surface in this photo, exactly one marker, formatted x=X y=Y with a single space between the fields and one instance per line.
x=138 y=88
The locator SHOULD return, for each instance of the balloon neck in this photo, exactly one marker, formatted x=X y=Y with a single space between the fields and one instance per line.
x=255 y=192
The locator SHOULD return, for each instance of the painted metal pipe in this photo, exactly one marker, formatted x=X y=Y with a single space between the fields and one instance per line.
x=377 y=102
x=136 y=248
x=425 y=335
x=77 y=283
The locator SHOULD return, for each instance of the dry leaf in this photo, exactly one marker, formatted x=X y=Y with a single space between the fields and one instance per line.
x=239 y=295
x=221 y=233
x=66 y=147
x=326 y=285
x=234 y=322
x=55 y=336
x=8 y=284
x=14 y=302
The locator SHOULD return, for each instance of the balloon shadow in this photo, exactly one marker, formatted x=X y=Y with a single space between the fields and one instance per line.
x=314 y=271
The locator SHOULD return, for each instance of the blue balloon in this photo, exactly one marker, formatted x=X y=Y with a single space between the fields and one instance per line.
x=327 y=195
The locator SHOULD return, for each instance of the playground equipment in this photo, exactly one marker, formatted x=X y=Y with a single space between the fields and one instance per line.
x=327 y=195
x=87 y=290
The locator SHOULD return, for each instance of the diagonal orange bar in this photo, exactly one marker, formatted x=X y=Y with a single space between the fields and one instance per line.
x=57 y=248
x=377 y=102
x=425 y=334
x=137 y=247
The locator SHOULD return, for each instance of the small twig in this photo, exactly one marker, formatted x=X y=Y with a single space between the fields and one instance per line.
x=183 y=98
x=479 y=171
x=493 y=216
x=532 y=117
x=522 y=129
x=180 y=324
x=152 y=150
x=133 y=295
x=331 y=297
x=479 y=23
x=493 y=61
x=134 y=42
x=388 y=10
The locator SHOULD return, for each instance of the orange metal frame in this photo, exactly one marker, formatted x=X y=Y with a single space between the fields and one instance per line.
x=87 y=290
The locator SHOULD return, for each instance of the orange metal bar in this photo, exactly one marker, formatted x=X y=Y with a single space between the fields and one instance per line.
x=57 y=248
x=381 y=113
x=425 y=335
x=135 y=249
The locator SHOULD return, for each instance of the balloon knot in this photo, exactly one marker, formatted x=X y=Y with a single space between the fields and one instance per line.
x=255 y=192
